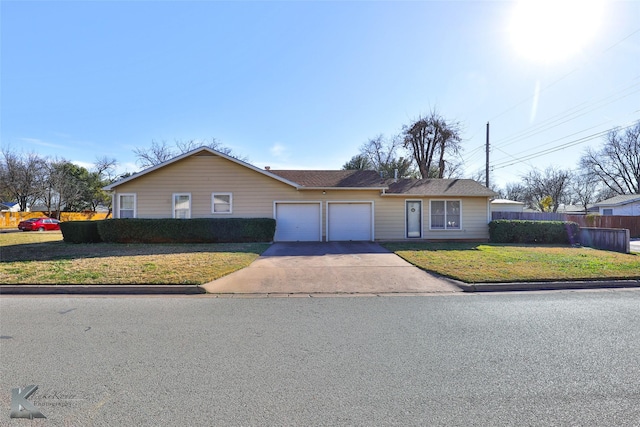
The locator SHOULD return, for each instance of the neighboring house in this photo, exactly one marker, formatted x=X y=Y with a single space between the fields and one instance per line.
x=506 y=205
x=9 y=207
x=577 y=209
x=628 y=204
x=307 y=205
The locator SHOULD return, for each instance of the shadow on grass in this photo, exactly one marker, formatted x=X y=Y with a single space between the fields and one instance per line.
x=59 y=250
x=460 y=246
x=432 y=246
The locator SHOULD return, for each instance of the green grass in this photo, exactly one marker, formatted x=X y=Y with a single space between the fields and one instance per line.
x=43 y=258
x=477 y=263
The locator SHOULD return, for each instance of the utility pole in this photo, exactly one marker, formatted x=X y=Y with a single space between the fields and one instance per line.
x=486 y=181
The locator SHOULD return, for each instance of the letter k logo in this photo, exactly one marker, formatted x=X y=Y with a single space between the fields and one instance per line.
x=20 y=406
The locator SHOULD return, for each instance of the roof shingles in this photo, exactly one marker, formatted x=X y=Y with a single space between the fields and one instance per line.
x=371 y=179
x=332 y=178
x=439 y=187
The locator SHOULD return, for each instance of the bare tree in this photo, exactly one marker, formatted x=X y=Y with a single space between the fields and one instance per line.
x=163 y=151
x=540 y=186
x=104 y=173
x=381 y=154
x=479 y=176
x=584 y=189
x=22 y=177
x=430 y=140
x=154 y=155
x=515 y=191
x=106 y=167
x=617 y=163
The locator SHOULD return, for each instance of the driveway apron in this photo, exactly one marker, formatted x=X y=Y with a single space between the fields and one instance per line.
x=329 y=267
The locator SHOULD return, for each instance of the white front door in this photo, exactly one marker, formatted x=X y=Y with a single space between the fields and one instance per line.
x=414 y=218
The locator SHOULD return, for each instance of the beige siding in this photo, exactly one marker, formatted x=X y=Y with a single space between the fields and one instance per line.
x=254 y=195
x=391 y=223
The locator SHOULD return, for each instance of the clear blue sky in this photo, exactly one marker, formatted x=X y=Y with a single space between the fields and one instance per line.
x=304 y=84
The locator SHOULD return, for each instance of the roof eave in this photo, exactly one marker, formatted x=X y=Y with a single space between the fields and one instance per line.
x=623 y=202
x=342 y=188
x=435 y=195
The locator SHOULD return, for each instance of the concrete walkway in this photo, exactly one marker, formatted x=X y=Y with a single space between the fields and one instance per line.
x=331 y=267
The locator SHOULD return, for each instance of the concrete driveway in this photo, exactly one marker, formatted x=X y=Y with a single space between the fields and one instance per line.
x=329 y=267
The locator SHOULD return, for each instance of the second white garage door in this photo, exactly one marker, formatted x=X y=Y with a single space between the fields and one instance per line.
x=297 y=222
x=350 y=221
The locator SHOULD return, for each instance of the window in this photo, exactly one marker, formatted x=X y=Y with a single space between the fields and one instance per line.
x=182 y=205
x=607 y=212
x=127 y=206
x=445 y=214
x=221 y=203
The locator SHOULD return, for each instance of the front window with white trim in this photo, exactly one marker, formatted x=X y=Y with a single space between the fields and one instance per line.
x=182 y=205
x=221 y=203
x=445 y=214
x=126 y=205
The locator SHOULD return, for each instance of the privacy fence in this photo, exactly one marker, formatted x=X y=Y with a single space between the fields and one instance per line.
x=602 y=232
x=631 y=223
x=11 y=219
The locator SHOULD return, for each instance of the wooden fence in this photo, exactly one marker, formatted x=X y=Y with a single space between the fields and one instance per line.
x=631 y=223
x=529 y=216
x=11 y=219
x=609 y=239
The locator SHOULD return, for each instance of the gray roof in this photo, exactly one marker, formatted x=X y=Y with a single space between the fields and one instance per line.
x=439 y=187
x=620 y=200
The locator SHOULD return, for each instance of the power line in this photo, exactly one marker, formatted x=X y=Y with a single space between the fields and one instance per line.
x=569 y=115
x=504 y=164
x=564 y=137
x=556 y=120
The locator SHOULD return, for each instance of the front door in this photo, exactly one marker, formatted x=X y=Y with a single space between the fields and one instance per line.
x=414 y=218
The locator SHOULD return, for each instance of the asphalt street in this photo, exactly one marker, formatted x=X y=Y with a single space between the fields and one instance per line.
x=544 y=358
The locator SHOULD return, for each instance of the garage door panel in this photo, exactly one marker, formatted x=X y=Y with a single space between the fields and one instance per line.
x=350 y=221
x=297 y=222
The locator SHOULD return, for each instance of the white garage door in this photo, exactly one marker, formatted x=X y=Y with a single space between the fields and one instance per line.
x=297 y=222
x=350 y=221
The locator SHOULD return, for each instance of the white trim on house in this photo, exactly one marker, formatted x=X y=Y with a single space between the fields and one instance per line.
x=445 y=228
x=173 y=205
x=371 y=227
x=119 y=204
x=213 y=204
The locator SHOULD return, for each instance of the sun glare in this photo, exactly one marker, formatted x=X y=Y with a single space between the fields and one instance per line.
x=554 y=30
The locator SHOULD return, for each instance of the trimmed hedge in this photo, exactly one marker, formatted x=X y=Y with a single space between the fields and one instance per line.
x=80 y=232
x=197 y=230
x=518 y=231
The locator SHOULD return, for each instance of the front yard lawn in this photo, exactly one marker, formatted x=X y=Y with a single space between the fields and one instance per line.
x=477 y=263
x=43 y=258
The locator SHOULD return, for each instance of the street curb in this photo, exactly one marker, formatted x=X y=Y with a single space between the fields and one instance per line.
x=196 y=289
x=546 y=286
x=101 y=289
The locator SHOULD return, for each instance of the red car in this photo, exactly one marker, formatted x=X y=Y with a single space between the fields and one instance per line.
x=40 y=224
